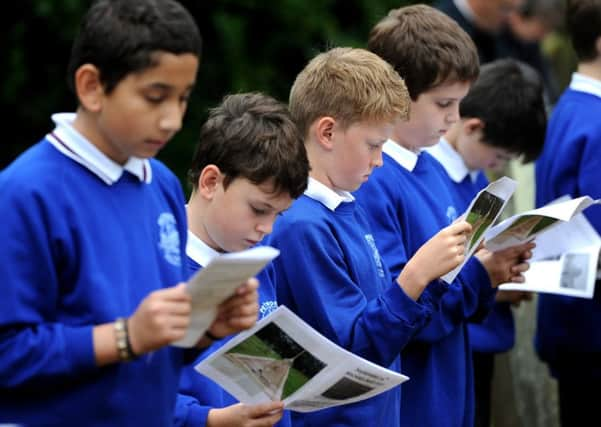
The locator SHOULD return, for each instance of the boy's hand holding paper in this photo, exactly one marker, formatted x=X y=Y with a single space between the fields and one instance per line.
x=565 y=261
x=527 y=225
x=218 y=299
x=483 y=211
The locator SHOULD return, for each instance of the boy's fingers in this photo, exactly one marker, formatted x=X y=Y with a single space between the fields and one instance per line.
x=240 y=311
x=520 y=268
x=238 y=300
x=178 y=292
x=250 y=285
x=178 y=308
x=263 y=409
x=517 y=279
x=461 y=227
x=242 y=321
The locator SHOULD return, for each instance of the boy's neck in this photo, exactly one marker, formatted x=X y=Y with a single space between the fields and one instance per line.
x=591 y=69
x=398 y=137
x=85 y=124
x=317 y=161
x=322 y=178
x=195 y=215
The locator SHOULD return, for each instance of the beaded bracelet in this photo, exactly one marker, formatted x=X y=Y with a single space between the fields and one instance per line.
x=124 y=349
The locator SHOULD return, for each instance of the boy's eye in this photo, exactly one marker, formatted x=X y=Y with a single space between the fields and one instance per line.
x=444 y=104
x=258 y=211
x=154 y=99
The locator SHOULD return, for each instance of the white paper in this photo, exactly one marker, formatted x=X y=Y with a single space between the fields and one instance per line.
x=565 y=260
x=216 y=282
x=572 y=274
x=482 y=213
x=283 y=358
x=523 y=227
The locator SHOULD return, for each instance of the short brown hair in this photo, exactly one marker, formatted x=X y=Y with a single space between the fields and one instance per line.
x=425 y=47
x=584 y=27
x=350 y=85
x=253 y=136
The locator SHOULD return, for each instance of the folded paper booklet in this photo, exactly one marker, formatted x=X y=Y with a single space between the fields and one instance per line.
x=283 y=358
x=216 y=282
x=483 y=211
x=523 y=227
x=564 y=262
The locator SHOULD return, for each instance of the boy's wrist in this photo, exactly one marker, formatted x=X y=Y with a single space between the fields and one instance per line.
x=412 y=281
x=124 y=348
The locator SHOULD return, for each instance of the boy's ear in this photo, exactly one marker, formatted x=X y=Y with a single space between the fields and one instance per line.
x=208 y=181
x=472 y=125
x=88 y=87
x=324 y=129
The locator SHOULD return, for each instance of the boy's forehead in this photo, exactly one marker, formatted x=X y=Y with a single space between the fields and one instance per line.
x=167 y=66
x=450 y=88
x=375 y=129
x=266 y=190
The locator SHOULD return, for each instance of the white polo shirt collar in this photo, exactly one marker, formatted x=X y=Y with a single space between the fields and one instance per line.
x=74 y=145
x=451 y=161
x=199 y=251
x=585 y=84
x=404 y=157
x=325 y=195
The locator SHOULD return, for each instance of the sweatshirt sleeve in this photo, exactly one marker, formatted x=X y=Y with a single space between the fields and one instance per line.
x=313 y=279
x=589 y=183
x=189 y=412
x=469 y=297
x=35 y=347
x=451 y=305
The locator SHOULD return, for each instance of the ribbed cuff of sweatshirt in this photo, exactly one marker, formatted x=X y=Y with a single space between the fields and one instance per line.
x=79 y=348
x=405 y=308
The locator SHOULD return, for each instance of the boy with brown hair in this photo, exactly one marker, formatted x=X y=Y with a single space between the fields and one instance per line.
x=408 y=200
x=506 y=91
x=94 y=231
x=345 y=102
x=249 y=165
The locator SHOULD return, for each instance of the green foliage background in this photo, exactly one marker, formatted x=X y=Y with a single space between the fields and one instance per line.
x=249 y=45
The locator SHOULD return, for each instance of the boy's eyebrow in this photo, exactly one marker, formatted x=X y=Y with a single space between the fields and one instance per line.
x=167 y=87
x=263 y=204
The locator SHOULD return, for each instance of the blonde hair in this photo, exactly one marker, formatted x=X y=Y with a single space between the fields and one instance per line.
x=350 y=85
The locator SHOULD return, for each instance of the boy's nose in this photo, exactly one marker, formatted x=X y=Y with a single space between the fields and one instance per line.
x=265 y=227
x=171 y=118
x=377 y=160
x=453 y=115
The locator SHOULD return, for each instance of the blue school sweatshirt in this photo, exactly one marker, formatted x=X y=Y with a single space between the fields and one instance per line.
x=408 y=201
x=82 y=246
x=330 y=273
x=197 y=393
x=496 y=332
x=568 y=337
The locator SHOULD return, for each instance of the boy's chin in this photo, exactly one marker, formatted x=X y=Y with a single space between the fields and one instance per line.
x=241 y=246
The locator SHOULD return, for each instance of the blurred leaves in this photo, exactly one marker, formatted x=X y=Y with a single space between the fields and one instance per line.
x=249 y=45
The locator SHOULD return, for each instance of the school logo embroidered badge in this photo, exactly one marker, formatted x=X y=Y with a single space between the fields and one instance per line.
x=169 y=241
x=266 y=308
x=451 y=214
x=374 y=250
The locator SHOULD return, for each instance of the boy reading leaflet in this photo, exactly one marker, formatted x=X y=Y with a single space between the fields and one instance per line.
x=95 y=232
x=330 y=272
